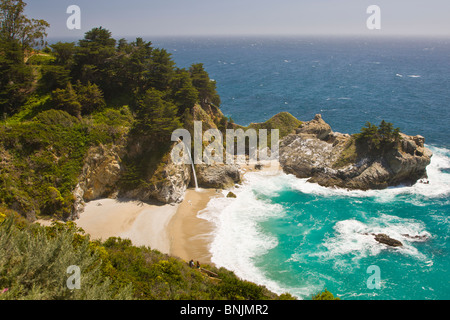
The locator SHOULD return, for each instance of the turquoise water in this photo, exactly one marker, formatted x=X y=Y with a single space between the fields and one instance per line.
x=294 y=236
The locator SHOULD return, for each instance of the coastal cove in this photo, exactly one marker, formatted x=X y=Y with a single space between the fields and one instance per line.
x=171 y=229
x=296 y=236
x=361 y=180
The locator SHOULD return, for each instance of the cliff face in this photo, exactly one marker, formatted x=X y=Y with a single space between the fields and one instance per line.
x=314 y=151
x=167 y=184
x=101 y=172
x=104 y=167
x=334 y=159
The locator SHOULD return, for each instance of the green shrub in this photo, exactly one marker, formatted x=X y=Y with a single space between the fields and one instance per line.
x=380 y=138
x=56 y=117
x=325 y=295
x=34 y=263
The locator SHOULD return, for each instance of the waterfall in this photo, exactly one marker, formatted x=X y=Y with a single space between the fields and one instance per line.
x=193 y=168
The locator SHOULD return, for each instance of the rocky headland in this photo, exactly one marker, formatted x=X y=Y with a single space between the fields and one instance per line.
x=307 y=150
x=334 y=159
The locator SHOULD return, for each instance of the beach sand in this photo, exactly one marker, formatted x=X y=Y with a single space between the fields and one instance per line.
x=144 y=224
x=172 y=229
x=190 y=235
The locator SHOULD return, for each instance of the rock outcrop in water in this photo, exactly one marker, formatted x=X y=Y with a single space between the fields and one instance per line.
x=385 y=239
x=333 y=159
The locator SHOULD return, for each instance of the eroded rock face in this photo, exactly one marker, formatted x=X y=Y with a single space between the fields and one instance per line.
x=221 y=176
x=99 y=177
x=172 y=187
x=316 y=152
x=167 y=185
x=102 y=173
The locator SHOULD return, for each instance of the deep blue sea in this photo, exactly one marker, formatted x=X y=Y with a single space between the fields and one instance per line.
x=298 y=237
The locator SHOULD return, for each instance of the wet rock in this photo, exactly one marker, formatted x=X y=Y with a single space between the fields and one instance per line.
x=385 y=239
x=231 y=195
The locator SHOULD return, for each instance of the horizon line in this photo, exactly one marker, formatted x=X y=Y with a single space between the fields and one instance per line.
x=374 y=35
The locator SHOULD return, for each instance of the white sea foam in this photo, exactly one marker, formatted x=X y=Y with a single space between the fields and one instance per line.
x=438 y=183
x=238 y=239
x=355 y=239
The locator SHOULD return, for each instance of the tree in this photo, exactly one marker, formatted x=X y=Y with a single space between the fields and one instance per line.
x=14 y=25
x=156 y=118
x=15 y=77
x=161 y=69
x=379 y=138
x=183 y=92
x=205 y=86
x=93 y=57
x=64 y=53
x=67 y=100
x=53 y=77
x=90 y=97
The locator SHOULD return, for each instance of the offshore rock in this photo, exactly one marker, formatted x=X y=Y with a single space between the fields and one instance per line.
x=332 y=159
x=385 y=239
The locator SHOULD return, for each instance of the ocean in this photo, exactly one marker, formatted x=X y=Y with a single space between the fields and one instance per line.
x=297 y=237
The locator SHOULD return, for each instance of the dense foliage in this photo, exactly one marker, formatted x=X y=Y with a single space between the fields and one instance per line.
x=34 y=261
x=58 y=102
x=325 y=295
x=380 y=138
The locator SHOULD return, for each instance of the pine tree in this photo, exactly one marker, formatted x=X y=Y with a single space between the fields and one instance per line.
x=66 y=100
x=205 y=86
x=15 y=77
x=183 y=91
x=156 y=118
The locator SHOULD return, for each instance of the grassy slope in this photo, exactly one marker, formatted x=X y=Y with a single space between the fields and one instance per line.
x=283 y=121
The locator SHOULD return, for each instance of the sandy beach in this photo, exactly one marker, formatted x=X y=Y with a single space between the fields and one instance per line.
x=144 y=224
x=190 y=235
x=172 y=229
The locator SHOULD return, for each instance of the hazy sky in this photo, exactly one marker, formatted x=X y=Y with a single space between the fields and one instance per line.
x=245 y=17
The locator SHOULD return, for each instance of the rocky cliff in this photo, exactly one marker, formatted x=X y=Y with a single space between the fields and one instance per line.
x=313 y=151
x=334 y=159
x=104 y=167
